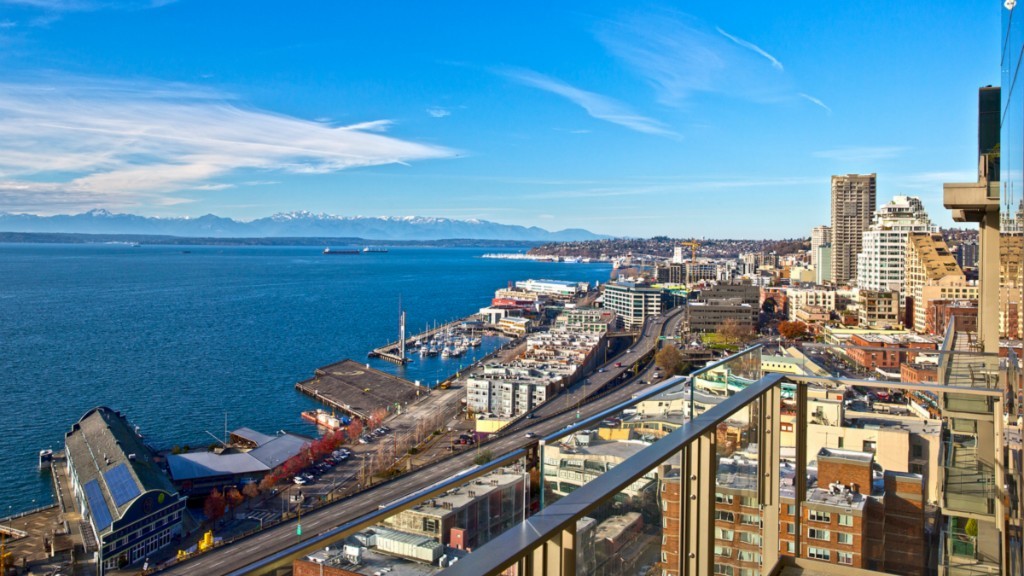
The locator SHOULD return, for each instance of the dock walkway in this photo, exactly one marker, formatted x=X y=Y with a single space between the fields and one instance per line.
x=390 y=351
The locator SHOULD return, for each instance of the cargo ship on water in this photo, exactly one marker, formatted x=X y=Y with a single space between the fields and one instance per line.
x=338 y=251
x=325 y=419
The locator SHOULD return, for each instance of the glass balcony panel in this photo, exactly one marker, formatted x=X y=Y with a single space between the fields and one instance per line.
x=585 y=452
x=438 y=531
x=738 y=485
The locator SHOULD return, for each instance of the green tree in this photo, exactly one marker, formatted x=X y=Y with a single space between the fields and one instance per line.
x=670 y=360
x=483 y=457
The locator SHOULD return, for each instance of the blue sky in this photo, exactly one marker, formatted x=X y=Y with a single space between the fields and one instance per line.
x=706 y=119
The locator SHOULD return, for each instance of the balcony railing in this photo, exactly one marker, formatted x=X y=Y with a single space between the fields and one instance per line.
x=697 y=475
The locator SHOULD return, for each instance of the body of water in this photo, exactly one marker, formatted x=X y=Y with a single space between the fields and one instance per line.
x=177 y=338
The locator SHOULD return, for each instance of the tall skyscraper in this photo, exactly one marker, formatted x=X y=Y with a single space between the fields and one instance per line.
x=820 y=236
x=882 y=260
x=853 y=203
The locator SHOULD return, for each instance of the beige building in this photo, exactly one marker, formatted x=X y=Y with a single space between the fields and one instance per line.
x=878 y=309
x=802 y=299
x=1011 y=286
x=933 y=274
x=853 y=204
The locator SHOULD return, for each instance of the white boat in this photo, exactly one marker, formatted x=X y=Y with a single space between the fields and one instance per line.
x=446 y=352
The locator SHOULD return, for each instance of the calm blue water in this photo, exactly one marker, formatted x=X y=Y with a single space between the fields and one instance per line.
x=176 y=340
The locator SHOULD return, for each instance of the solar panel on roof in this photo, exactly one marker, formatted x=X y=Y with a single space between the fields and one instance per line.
x=121 y=485
x=97 y=505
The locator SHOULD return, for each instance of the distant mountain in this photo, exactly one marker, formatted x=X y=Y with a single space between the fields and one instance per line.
x=290 y=224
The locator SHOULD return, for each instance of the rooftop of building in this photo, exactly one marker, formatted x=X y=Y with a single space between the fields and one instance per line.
x=614 y=526
x=112 y=464
x=848 y=455
x=578 y=446
x=373 y=562
x=457 y=498
x=358 y=389
x=843 y=498
x=272 y=452
x=935 y=256
x=899 y=338
x=911 y=425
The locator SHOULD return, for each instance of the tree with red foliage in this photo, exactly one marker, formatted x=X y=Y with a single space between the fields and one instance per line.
x=793 y=330
x=214 y=506
x=355 y=429
x=268 y=481
x=250 y=490
x=234 y=497
x=377 y=417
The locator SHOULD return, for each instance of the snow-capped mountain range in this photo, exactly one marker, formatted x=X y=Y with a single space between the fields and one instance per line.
x=289 y=224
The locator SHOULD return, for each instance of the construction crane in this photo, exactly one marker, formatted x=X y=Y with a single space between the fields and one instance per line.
x=693 y=244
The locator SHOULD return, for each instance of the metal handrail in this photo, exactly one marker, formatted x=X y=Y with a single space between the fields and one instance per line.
x=326 y=538
x=507 y=548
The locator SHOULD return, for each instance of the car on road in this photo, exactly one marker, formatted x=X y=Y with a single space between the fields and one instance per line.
x=531 y=435
x=618 y=364
x=299 y=480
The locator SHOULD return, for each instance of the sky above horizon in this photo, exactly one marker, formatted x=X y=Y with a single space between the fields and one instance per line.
x=695 y=119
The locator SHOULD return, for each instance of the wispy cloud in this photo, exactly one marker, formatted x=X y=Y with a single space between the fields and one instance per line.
x=5 y=24
x=751 y=46
x=118 y=144
x=87 y=5
x=438 y=112
x=680 y=56
x=815 y=101
x=861 y=153
x=597 y=105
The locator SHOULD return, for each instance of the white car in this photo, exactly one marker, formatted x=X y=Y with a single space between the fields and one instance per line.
x=531 y=435
x=299 y=480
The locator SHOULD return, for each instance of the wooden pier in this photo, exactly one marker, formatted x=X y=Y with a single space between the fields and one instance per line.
x=358 y=390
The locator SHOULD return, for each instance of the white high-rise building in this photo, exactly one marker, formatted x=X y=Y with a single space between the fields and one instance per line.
x=677 y=255
x=881 y=265
x=820 y=235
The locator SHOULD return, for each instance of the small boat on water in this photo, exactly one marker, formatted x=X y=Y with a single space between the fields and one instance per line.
x=45 y=457
x=325 y=419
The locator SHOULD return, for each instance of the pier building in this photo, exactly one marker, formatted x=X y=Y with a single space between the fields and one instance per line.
x=249 y=457
x=561 y=289
x=129 y=506
x=359 y=390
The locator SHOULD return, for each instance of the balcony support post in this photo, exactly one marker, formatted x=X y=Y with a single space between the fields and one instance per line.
x=700 y=463
x=769 y=459
x=800 y=482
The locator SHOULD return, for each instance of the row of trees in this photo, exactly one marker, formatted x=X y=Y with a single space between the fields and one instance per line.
x=217 y=503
